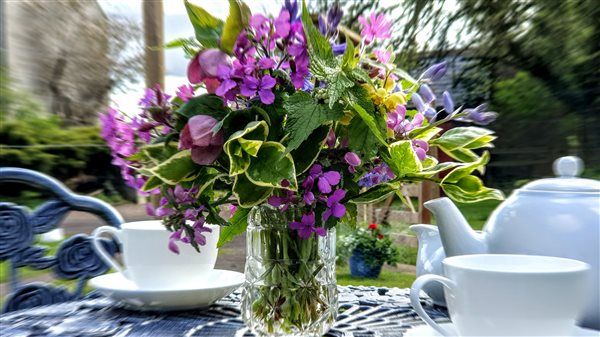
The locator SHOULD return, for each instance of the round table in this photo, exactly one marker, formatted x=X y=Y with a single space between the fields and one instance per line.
x=363 y=311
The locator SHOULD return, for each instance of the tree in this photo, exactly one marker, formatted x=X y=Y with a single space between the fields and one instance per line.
x=126 y=51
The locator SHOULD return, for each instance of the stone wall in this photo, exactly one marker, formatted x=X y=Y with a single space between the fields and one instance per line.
x=58 y=52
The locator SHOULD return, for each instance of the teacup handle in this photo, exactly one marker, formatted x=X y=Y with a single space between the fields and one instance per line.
x=97 y=244
x=416 y=302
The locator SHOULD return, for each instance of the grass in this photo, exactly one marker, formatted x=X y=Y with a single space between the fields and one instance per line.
x=387 y=279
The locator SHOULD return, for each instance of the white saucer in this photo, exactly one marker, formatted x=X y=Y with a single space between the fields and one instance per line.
x=219 y=283
x=427 y=331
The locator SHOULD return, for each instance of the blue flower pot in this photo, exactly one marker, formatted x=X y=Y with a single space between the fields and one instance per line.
x=360 y=269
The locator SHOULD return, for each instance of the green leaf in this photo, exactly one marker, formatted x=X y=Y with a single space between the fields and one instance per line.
x=247 y=193
x=151 y=183
x=403 y=159
x=438 y=168
x=359 y=95
x=239 y=14
x=305 y=114
x=350 y=59
x=424 y=133
x=306 y=154
x=485 y=141
x=271 y=166
x=207 y=104
x=458 y=194
x=360 y=139
x=189 y=42
x=159 y=152
x=463 y=155
x=466 y=169
x=376 y=193
x=371 y=123
x=237 y=226
x=208 y=28
x=318 y=46
x=429 y=162
x=244 y=144
x=360 y=75
x=337 y=84
x=405 y=75
x=176 y=168
x=460 y=137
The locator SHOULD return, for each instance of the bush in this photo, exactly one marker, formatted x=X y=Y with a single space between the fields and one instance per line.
x=32 y=139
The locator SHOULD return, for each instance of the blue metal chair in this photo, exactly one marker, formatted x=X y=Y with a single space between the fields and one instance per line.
x=75 y=257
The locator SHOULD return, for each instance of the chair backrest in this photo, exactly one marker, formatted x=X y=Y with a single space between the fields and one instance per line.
x=75 y=257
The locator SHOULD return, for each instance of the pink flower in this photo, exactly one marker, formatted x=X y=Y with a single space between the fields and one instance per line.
x=353 y=160
x=382 y=56
x=185 y=92
x=203 y=68
x=197 y=135
x=420 y=146
x=376 y=26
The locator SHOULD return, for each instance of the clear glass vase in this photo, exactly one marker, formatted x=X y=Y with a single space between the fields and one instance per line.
x=290 y=287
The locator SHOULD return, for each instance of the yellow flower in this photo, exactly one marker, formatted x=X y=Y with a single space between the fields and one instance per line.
x=348 y=115
x=394 y=99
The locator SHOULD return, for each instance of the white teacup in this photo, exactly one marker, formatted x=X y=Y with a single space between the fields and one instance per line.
x=509 y=295
x=148 y=261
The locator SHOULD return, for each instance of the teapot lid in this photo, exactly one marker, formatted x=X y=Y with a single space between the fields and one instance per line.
x=567 y=170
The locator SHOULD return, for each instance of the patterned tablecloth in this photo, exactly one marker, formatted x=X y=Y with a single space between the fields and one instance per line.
x=364 y=311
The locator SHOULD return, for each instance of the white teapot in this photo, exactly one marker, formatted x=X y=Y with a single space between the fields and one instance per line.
x=553 y=217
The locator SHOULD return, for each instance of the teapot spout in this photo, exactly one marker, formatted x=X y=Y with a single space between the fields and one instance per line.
x=458 y=238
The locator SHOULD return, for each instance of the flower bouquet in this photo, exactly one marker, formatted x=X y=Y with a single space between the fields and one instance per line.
x=368 y=250
x=297 y=127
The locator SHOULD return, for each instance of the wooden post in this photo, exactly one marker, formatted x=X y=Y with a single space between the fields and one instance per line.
x=154 y=65
x=154 y=55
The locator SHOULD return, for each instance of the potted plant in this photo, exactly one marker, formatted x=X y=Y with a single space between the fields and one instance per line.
x=368 y=250
x=297 y=127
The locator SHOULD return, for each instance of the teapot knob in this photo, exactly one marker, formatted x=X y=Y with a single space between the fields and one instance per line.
x=568 y=167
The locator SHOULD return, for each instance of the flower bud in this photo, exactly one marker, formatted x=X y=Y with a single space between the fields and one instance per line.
x=198 y=136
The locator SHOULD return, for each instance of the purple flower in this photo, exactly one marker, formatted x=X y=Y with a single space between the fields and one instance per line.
x=309 y=198
x=306 y=226
x=286 y=201
x=251 y=86
x=154 y=97
x=232 y=209
x=426 y=93
x=292 y=8
x=338 y=49
x=379 y=174
x=266 y=63
x=228 y=87
x=282 y=24
x=335 y=208
x=197 y=135
x=480 y=116
x=199 y=228
x=376 y=26
x=422 y=107
x=420 y=146
x=325 y=179
x=448 y=102
x=397 y=121
x=353 y=160
x=185 y=92
x=330 y=139
x=175 y=236
x=435 y=72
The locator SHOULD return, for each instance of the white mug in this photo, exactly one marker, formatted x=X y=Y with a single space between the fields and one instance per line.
x=509 y=295
x=150 y=264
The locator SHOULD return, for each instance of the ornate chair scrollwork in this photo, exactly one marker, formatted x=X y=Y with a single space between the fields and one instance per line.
x=75 y=257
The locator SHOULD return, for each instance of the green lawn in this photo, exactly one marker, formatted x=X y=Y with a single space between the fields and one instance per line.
x=386 y=279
